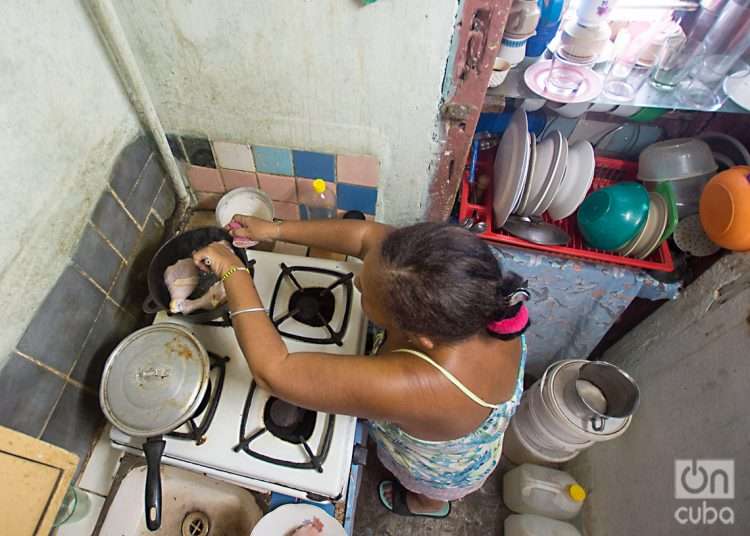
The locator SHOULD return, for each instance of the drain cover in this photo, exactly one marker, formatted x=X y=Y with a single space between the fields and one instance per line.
x=195 y=524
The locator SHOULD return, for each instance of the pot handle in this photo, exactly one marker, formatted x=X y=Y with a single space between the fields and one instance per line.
x=150 y=306
x=153 y=448
x=597 y=423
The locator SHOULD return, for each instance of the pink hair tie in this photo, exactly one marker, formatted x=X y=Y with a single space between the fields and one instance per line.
x=511 y=325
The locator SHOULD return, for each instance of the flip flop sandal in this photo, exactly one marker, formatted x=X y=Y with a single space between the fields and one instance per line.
x=399 y=505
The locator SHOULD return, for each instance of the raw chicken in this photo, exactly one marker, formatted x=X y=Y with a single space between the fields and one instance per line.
x=310 y=528
x=181 y=279
x=215 y=296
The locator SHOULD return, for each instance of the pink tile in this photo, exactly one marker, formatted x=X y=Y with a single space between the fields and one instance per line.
x=285 y=211
x=305 y=191
x=238 y=179
x=205 y=179
x=207 y=201
x=363 y=170
x=278 y=187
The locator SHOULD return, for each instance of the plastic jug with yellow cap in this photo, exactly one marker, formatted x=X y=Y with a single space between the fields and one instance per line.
x=319 y=203
x=533 y=489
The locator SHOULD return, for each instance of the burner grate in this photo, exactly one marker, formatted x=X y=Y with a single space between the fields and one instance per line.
x=313 y=306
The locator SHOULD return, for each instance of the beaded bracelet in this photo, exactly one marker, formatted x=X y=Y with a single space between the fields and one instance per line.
x=233 y=270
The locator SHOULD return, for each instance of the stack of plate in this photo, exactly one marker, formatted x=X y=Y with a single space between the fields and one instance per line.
x=652 y=233
x=532 y=178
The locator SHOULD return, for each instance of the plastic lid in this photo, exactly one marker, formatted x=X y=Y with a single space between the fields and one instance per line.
x=576 y=492
x=319 y=185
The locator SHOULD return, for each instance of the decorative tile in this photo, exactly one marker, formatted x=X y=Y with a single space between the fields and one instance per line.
x=315 y=165
x=234 y=156
x=129 y=164
x=238 y=179
x=75 y=421
x=60 y=325
x=199 y=152
x=273 y=160
x=204 y=179
x=111 y=326
x=285 y=211
x=173 y=140
x=114 y=223
x=351 y=197
x=278 y=187
x=362 y=170
x=166 y=201
x=95 y=257
x=287 y=248
x=207 y=201
x=142 y=196
x=27 y=395
x=306 y=193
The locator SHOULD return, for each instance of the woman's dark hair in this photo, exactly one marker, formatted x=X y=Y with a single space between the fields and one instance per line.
x=443 y=281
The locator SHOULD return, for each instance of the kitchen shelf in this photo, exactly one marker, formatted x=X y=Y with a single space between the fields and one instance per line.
x=647 y=97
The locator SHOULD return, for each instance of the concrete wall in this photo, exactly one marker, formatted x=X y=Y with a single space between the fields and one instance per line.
x=690 y=360
x=63 y=120
x=326 y=75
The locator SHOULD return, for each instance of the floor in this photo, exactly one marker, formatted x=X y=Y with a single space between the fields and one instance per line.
x=481 y=513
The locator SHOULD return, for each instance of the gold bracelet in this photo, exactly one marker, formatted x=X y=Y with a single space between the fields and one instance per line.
x=233 y=270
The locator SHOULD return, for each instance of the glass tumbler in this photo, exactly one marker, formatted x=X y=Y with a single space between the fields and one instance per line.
x=565 y=77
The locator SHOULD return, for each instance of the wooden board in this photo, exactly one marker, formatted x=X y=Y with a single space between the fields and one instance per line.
x=35 y=477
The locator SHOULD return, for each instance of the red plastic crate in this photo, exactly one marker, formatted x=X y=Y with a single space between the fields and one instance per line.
x=607 y=171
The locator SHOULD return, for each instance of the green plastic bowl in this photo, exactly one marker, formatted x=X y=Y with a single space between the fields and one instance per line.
x=609 y=217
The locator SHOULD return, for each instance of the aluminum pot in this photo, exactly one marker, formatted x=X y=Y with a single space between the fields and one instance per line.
x=607 y=391
x=181 y=247
x=153 y=382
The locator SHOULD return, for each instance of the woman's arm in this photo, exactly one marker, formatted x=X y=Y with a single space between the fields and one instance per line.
x=350 y=237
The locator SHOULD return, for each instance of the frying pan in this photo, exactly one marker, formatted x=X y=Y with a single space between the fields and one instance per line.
x=153 y=382
x=181 y=247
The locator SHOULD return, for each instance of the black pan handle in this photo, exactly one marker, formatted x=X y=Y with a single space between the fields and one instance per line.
x=150 y=306
x=153 y=448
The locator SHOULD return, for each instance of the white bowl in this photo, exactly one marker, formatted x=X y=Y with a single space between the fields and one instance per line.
x=246 y=201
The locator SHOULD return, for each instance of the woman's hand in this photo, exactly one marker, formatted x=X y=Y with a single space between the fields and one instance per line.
x=217 y=258
x=253 y=228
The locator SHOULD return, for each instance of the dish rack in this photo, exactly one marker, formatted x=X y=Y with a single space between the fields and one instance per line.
x=607 y=171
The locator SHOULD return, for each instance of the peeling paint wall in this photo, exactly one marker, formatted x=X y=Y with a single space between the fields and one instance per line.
x=63 y=120
x=326 y=75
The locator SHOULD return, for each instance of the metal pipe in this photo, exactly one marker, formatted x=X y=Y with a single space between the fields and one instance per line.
x=105 y=18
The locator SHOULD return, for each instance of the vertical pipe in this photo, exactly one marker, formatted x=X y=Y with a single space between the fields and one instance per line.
x=105 y=17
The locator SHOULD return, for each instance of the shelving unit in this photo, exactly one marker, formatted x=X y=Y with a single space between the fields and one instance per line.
x=647 y=97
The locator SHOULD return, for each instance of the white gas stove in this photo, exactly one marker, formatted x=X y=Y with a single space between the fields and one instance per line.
x=243 y=434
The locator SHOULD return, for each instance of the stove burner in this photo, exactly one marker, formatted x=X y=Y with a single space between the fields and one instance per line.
x=288 y=422
x=313 y=306
x=209 y=403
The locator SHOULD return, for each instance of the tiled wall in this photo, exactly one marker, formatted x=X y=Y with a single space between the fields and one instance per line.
x=48 y=388
x=286 y=175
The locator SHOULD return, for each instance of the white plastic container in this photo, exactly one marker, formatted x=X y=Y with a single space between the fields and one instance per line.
x=533 y=489
x=532 y=525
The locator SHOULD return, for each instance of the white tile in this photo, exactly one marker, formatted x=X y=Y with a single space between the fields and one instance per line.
x=234 y=156
x=85 y=526
x=101 y=467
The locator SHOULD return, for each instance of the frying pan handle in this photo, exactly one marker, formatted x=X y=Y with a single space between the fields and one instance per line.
x=153 y=448
x=150 y=306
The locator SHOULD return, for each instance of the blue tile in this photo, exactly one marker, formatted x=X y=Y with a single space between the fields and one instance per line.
x=314 y=165
x=273 y=160
x=351 y=197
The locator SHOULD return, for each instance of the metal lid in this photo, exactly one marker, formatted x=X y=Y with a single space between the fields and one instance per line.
x=154 y=380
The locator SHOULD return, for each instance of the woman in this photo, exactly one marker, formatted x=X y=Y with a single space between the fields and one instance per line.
x=447 y=377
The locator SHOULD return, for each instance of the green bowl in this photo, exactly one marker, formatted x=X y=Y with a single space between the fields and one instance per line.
x=610 y=217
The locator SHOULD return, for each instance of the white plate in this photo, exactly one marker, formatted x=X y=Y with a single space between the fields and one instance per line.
x=289 y=517
x=532 y=169
x=579 y=174
x=559 y=162
x=519 y=192
x=511 y=167
x=657 y=205
x=543 y=173
x=737 y=86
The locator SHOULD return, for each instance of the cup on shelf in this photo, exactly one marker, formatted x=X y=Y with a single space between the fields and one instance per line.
x=625 y=79
x=582 y=44
x=565 y=77
x=500 y=71
x=669 y=61
x=512 y=50
x=523 y=19
x=594 y=12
